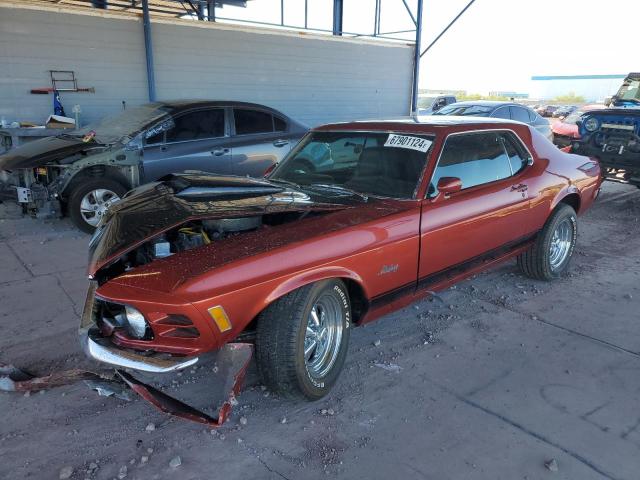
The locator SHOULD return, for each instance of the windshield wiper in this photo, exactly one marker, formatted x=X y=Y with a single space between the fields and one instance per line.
x=279 y=180
x=339 y=188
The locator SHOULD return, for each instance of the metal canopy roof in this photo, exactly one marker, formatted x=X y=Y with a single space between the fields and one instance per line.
x=170 y=8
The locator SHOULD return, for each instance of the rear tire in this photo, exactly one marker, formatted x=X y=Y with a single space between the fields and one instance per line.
x=550 y=255
x=294 y=358
x=88 y=193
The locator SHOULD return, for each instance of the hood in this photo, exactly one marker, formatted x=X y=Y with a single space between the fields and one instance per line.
x=40 y=152
x=156 y=207
x=566 y=129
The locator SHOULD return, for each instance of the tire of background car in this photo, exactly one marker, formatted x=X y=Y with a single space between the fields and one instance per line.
x=551 y=253
x=302 y=340
x=94 y=192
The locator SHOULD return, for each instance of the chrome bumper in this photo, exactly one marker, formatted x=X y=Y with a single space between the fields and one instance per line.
x=103 y=350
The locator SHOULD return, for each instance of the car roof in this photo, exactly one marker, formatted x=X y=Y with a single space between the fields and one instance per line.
x=426 y=123
x=485 y=103
x=186 y=104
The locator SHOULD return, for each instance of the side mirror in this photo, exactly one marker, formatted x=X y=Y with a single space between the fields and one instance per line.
x=448 y=185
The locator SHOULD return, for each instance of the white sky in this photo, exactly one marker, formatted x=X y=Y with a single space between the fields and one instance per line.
x=496 y=44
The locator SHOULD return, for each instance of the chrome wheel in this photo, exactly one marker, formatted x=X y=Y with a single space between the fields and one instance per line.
x=95 y=204
x=561 y=243
x=323 y=336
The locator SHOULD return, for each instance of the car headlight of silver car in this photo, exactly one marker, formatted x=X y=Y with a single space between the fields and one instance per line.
x=591 y=124
x=136 y=323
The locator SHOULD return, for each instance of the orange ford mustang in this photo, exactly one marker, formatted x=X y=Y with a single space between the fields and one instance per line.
x=359 y=219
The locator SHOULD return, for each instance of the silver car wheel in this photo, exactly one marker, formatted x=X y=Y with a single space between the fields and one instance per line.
x=561 y=242
x=95 y=204
x=323 y=336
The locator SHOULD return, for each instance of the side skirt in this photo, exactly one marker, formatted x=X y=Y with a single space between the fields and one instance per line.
x=425 y=286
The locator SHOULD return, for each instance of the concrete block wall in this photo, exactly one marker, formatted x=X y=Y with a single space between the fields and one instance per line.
x=313 y=78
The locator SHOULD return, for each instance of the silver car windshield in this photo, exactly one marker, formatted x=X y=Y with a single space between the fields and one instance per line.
x=472 y=110
x=373 y=163
x=126 y=123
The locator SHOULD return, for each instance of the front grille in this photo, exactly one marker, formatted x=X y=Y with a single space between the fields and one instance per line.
x=176 y=326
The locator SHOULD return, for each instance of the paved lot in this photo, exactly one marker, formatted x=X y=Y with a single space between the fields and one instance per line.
x=501 y=376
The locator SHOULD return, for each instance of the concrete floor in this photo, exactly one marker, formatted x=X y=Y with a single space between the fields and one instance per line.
x=500 y=377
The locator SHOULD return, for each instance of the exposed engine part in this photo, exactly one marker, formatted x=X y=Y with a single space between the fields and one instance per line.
x=231 y=225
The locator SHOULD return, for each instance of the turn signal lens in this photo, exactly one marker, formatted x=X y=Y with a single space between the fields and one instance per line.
x=220 y=317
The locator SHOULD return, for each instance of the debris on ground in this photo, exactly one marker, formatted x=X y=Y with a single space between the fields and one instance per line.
x=390 y=367
x=109 y=388
x=13 y=379
x=150 y=427
x=66 y=473
x=175 y=462
x=377 y=343
x=243 y=420
x=551 y=465
x=234 y=357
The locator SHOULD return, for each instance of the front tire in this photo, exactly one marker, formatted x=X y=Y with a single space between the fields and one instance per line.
x=302 y=340
x=550 y=255
x=89 y=200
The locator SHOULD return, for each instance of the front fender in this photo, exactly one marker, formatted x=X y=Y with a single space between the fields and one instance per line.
x=316 y=275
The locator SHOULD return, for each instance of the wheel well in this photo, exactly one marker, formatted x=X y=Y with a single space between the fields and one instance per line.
x=97 y=171
x=359 y=301
x=573 y=200
x=357 y=297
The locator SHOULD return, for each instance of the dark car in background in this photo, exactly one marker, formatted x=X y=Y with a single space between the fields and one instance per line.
x=82 y=172
x=564 y=111
x=504 y=110
x=546 y=110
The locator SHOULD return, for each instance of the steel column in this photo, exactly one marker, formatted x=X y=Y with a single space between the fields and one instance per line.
x=416 y=60
x=211 y=10
x=148 y=50
x=337 y=17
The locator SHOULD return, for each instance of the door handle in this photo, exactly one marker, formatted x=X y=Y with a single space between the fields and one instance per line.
x=280 y=143
x=220 y=151
x=521 y=187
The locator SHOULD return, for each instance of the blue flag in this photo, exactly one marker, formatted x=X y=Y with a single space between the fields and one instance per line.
x=58 y=109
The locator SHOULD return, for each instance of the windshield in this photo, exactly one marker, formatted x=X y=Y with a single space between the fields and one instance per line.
x=573 y=118
x=126 y=123
x=630 y=90
x=377 y=164
x=471 y=110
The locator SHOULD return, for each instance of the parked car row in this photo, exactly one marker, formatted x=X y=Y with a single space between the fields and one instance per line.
x=504 y=110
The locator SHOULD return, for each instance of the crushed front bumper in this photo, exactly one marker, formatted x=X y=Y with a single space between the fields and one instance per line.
x=104 y=350
x=233 y=360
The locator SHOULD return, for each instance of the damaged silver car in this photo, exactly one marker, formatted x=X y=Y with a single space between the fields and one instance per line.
x=82 y=172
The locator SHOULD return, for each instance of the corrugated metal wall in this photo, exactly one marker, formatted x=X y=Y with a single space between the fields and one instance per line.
x=312 y=78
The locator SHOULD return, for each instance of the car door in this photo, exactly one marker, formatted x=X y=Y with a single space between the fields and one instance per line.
x=259 y=140
x=487 y=215
x=197 y=140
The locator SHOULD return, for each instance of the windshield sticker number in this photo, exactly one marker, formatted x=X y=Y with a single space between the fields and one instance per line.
x=407 y=141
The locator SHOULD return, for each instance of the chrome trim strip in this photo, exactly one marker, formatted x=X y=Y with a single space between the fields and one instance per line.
x=105 y=353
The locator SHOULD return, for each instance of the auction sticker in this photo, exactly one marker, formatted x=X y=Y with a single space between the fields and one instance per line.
x=408 y=141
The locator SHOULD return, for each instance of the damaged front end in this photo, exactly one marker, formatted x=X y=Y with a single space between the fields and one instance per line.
x=133 y=319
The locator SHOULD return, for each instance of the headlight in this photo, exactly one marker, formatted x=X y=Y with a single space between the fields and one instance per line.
x=591 y=124
x=136 y=324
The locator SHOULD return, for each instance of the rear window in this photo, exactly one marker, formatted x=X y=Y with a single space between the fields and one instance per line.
x=252 y=121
